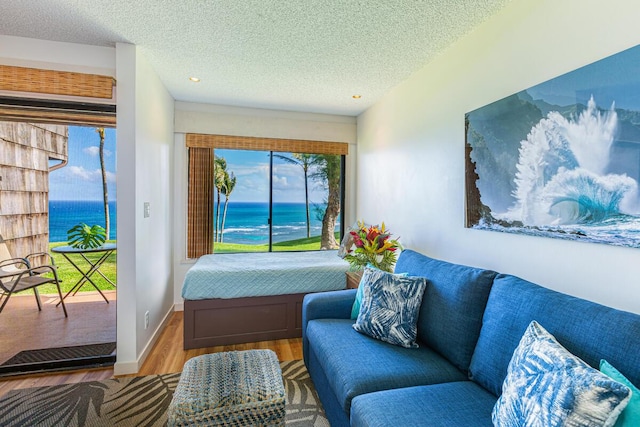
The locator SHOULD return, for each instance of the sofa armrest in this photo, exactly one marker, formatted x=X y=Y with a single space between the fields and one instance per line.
x=328 y=305
x=325 y=305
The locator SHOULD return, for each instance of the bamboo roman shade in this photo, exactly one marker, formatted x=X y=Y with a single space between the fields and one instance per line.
x=200 y=207
x=34 y=80
x=266 y=144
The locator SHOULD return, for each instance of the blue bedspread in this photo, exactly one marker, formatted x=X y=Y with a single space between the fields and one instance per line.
x=260 y=274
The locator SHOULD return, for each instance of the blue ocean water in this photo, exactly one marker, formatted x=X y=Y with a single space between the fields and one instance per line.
x=65 y=214
x=246 y=223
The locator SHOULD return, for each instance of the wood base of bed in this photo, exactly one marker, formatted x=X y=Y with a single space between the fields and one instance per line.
x=217 y=321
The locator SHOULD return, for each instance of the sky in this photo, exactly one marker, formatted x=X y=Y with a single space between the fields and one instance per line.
x=252 y=171
x=81 y=178
x=611 y=79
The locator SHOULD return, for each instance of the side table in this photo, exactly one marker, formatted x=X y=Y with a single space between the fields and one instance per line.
x=353 y=279
x=93 y=266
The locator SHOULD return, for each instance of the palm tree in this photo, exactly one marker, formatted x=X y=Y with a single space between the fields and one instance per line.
x=220 y=173
x=226 y=189
x=328 y=173
x=305 y=161
x=105 y=195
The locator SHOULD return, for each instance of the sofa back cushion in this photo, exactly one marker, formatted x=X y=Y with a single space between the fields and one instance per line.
x=452 y=307
x=588 y=330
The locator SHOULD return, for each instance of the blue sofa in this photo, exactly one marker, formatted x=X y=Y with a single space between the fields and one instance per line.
x=471 y=320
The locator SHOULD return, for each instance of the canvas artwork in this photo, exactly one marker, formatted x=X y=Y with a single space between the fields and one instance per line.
x=562 y=158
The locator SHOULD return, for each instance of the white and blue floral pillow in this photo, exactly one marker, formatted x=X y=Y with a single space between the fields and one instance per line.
x=548 y=386
x=355 y=308
x=390 y=307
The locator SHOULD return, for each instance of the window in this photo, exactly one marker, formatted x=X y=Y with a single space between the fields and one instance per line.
x=252 y=200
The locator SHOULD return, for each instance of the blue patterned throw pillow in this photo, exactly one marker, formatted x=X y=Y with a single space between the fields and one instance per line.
x=548 y=386
x=355 y=308
x=390 y=307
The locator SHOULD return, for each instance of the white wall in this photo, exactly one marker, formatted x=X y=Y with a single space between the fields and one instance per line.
x=145 y=113
x=126 y=329
x=225 y=120
x=25 y=52
x=411 y=145
x=145 y=119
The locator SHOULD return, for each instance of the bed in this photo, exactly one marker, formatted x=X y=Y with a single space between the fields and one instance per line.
x=237 y=298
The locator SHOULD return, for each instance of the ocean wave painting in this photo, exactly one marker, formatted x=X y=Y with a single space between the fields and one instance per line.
x=561 y=159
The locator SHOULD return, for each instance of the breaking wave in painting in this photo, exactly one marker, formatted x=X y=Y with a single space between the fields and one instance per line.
x=562 y=184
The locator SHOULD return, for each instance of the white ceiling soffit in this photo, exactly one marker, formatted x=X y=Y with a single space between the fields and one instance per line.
x=298 y=55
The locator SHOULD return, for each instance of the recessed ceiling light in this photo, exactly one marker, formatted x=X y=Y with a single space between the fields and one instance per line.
x=194 y=79
x=356 y=96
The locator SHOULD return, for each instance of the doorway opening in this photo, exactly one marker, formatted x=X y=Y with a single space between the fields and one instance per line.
x=57 y=196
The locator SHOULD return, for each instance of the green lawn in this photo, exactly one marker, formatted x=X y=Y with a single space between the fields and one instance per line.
x=69 y=276
x=310 y=244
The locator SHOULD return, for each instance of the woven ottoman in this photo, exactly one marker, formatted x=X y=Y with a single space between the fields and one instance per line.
x=235 y=388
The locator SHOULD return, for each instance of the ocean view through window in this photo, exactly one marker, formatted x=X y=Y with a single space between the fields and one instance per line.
x=266 y=201
x=247 y=223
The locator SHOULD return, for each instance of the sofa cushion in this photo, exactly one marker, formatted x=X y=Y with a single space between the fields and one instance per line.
x=451 y=312
x=355 y=364
x=390 y=305
x=631 y=414
x=440 y=405
x=588 y=330
x=548 y=386
x=324 y=305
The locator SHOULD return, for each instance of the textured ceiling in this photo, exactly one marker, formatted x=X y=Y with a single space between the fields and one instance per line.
x=299 y=55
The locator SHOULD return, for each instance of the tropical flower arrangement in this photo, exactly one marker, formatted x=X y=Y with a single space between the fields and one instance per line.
x=371 y=245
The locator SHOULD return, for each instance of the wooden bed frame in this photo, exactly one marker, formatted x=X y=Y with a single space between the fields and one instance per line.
x=218 y=321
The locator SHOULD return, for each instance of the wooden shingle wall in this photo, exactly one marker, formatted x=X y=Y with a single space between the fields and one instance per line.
x=25 y=150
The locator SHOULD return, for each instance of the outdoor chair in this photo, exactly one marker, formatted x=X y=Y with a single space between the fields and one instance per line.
x=5 y=254
x=17 y=274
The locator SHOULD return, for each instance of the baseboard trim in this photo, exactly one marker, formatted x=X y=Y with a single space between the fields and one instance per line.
x=125 y=368
x=179 y=306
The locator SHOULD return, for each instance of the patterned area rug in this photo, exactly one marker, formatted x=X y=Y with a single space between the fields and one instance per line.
x=137 y=401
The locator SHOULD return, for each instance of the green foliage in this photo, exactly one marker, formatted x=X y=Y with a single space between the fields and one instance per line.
x=359 y=259
x=84 y=237
x=310 y=244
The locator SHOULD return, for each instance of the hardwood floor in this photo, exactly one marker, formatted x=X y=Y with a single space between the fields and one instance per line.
x=167 y=356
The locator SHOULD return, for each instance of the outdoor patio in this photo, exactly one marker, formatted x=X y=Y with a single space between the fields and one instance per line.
x=91 y=320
